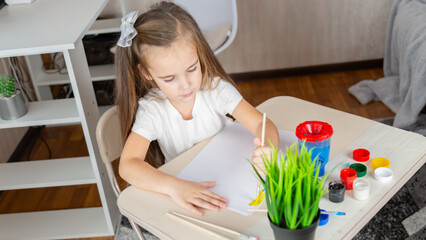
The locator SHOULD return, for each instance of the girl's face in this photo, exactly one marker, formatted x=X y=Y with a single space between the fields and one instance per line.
x=176 y=70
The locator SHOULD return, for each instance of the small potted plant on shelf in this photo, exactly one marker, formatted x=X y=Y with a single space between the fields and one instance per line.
x=292 y=192
x=12 y=102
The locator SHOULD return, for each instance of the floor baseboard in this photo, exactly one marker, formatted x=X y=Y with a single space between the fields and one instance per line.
x=310 y=70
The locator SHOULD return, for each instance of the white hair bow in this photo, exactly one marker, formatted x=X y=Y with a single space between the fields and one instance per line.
x=128 y=31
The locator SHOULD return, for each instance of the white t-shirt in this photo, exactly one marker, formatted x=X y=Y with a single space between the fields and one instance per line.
x=159 y=120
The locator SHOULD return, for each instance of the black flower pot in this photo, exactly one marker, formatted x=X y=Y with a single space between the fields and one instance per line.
x=307 y=233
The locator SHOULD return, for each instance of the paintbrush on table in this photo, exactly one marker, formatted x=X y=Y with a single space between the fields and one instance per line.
x=262 y=144
x=333 y=213
x=260 y=194
x=184 y=218
x=337 y=213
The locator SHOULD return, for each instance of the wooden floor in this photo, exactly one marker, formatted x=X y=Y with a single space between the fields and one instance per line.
x=325 y=89
x=330 y=90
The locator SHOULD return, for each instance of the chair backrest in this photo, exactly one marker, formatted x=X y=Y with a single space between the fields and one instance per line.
x=108 y=136
x=212 y=16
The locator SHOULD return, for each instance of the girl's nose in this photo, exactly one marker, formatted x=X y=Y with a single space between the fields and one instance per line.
x=185 y=83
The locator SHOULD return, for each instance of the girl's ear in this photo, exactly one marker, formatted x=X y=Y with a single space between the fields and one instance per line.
x=144 y=73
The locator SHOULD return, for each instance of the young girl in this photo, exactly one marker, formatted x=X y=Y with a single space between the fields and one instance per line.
x=171 y=94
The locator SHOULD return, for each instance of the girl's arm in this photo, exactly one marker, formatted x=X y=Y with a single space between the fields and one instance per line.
x=252 y=119
x=137 y=172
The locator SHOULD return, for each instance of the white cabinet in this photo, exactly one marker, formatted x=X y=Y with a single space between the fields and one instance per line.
x=50 y=26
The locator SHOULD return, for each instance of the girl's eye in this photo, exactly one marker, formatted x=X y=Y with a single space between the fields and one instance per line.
x=169 y=79
x=192 y=69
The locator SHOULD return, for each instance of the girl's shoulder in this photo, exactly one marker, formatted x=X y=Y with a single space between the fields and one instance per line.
x=220 y=90
x=153 y=95
x=154 y=99
x=218 y=82
x=219 y=85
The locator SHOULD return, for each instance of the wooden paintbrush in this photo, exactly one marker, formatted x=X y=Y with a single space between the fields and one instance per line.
x=182 y=218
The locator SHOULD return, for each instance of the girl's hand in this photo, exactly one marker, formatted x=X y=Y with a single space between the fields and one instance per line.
x=194 y=195
x=257 y=156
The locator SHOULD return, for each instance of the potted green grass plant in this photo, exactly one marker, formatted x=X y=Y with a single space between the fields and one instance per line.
x=292 y=192
x=12 y=102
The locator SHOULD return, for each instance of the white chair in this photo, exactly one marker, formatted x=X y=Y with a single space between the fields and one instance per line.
x=217 y=19
x=108 y=136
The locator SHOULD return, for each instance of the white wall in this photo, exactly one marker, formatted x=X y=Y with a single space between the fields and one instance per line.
x=277 y=34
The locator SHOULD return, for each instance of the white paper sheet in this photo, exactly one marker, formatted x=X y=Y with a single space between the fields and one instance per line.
x=224 y=160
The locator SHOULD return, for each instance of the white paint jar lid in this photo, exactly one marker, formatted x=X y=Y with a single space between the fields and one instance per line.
x=383 y=174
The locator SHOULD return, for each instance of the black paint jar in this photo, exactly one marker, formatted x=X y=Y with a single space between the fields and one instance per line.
x=336 y=192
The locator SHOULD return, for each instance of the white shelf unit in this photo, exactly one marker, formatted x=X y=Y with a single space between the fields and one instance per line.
x=44 y=113
x=46 y=173
x=42 y=80
x=105 y=26
x=58 y=224
x=31 y=40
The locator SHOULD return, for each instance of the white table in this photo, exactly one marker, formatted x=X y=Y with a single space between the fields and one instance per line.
x=405 y=150
x=48 y=26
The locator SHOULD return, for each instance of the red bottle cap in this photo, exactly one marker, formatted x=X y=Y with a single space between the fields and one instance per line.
x=348 y=175
x=314 y=131
x=361 y=155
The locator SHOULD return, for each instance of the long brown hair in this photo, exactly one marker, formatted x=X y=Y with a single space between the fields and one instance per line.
x=160 y=26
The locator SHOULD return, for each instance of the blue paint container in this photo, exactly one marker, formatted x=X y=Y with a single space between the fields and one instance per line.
x=323 y=219
x=316 y=135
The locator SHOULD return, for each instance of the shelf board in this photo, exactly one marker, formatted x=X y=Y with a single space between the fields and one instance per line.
x=102 y=72
x=46 y=173
x=58 y=224
x=97 y=73
x=45 y=113
x=105 y=26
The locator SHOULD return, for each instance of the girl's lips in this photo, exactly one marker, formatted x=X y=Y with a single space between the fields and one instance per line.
x=188 y=94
